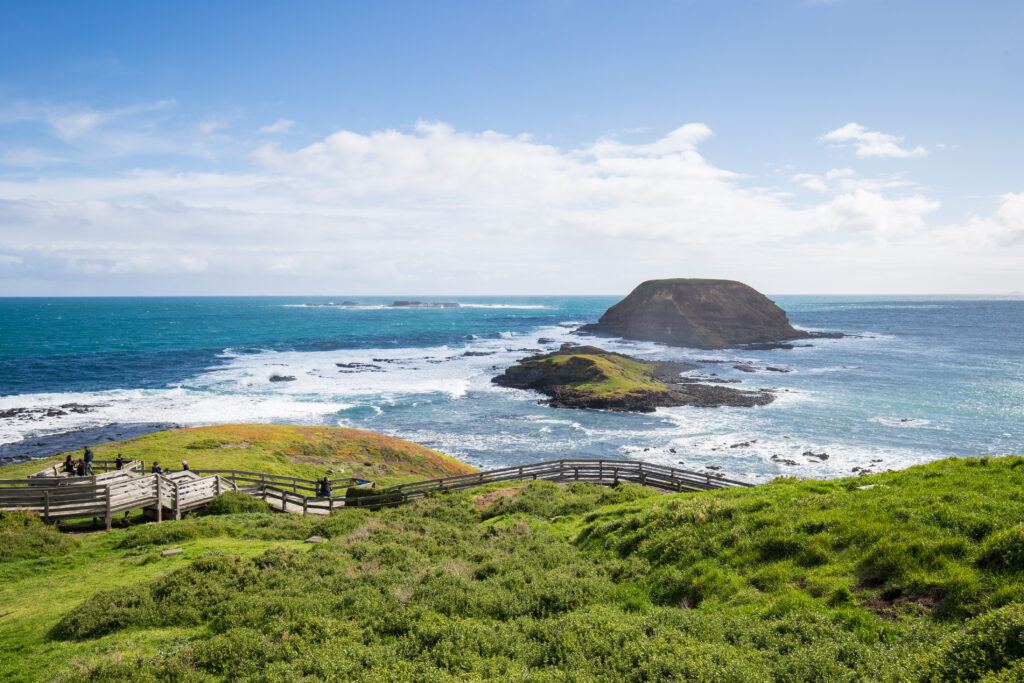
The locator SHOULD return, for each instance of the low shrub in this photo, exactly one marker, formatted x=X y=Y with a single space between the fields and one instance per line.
x=1004 y=550
x=234 y=502
x=176 y=532
x=23 y=535
x=987 y=645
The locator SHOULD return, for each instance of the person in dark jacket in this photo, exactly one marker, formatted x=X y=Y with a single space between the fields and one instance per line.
x=80 y=468
x=325 y=488
x=120 y=461
x=69 y=464
x=156 y=468
x=87 y=457
x=184 y=466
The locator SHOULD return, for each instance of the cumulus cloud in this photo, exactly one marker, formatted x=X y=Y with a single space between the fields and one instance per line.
x=279 y=126
x=1006 y=227
x=871 y=143
x=436 y=209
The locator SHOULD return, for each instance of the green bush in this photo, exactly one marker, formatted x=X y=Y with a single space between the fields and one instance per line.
x=23 y=535
x=987 y=645
x=176 y=532
x=1004 y=550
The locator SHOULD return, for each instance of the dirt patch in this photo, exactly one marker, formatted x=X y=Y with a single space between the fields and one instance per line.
x=890 y=607
x=485 y=500
x=240 y=444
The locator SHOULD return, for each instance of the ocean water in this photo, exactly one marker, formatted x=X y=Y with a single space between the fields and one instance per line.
x=922 y=378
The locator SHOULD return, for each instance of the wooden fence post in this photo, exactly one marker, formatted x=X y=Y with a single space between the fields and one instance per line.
x=108 y=520
x=305 y=504
x=216 y=485
x=46 y=506
x=159 y=499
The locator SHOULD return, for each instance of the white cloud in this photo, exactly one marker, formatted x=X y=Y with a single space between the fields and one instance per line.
x=871 y=143
x=211 y=126
x=279 y=126
x=435 y=209
x=1006 y=227
x=69 y=124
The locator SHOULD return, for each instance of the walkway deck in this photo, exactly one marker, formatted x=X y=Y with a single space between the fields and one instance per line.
x=55 y=496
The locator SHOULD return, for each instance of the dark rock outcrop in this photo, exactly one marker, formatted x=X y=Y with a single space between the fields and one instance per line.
x=424 y=304
x=705 y=314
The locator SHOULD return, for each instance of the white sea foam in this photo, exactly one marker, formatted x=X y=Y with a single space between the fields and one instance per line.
x=179 y=405
x=380 y=307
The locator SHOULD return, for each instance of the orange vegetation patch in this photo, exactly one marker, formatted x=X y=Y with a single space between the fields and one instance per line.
x=324 y=445
x=485 y=500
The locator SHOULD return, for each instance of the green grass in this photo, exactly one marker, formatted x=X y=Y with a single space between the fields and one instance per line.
x=608 y=374
x=306 y=452
x=917 y=579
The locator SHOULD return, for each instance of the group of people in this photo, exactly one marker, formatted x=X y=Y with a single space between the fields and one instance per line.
x=82 y=467
x=157 y=469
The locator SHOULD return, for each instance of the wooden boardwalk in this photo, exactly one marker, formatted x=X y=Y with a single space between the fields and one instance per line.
x=55 y=496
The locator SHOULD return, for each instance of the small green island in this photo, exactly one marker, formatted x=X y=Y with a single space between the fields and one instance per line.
x=913 y=575
x=590 y=377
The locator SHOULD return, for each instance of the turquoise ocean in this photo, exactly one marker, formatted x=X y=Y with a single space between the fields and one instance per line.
x=920 y=378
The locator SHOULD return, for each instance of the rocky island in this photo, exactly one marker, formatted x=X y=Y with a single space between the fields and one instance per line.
x=703 y=314
x=590 y=377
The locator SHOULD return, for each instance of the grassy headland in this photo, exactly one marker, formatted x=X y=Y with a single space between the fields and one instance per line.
x=297 y=451
x=919 y=577
x=590 y=377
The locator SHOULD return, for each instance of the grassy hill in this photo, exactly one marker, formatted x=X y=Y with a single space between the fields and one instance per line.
x=307 y=452
x=919 y=577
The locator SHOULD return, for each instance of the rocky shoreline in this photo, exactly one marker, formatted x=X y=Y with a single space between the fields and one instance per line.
x=45 y=446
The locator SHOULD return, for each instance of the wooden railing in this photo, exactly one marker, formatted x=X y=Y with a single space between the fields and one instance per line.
x=101 y=495
x=608 y=472
x=100 y=466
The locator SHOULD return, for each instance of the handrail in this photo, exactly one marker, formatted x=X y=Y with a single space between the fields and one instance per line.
x=69 y=497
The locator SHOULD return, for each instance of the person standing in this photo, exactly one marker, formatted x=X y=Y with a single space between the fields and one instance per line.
x=119 y=463
x=87 y=457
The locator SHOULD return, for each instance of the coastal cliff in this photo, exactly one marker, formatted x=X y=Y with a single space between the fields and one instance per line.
x=704 y=314
x=590 y=377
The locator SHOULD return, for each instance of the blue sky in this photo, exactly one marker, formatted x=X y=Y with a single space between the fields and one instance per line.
x=529 y=147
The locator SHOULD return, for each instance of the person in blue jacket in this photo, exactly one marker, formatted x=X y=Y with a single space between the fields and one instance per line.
x=87 y=457
x=156 y=468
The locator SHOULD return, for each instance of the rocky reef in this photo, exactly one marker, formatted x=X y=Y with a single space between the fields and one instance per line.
x=590 y=377
x=704 y=314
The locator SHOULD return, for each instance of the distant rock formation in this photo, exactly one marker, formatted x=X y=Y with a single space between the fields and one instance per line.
x=425 y=304
x=703 y=314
